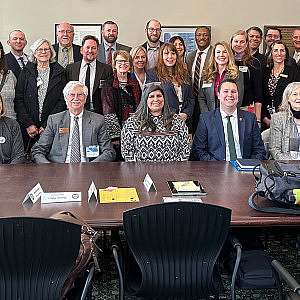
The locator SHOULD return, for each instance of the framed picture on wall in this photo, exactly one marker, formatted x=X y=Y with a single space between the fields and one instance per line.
x=186 y=32
x=81 y=30
x=287 y=32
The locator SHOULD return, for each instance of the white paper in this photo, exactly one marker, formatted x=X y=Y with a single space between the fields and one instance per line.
x=59 y=197
x=34 y=194
x=92 y=191
x=182 y=199
x=149 y=184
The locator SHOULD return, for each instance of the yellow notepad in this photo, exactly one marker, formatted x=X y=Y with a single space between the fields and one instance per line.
x=117 y=195
x=186 y=186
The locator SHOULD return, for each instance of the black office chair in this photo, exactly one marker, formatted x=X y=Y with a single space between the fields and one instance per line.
x=174 y=250
x=36 y=257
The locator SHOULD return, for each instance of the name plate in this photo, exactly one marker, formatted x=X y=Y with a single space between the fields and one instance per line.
x=60 y=197
x=34 y=194
x=149 y=184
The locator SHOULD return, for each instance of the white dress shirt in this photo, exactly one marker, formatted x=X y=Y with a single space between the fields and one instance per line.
x=25 y=59
x=82 y=150
x=203 y=58
x=82 y=74
x=235 y=129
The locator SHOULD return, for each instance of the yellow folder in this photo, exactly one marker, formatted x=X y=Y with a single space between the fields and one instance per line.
x=117 y=195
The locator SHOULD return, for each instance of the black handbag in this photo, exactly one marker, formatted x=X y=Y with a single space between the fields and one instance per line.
x=276 y=182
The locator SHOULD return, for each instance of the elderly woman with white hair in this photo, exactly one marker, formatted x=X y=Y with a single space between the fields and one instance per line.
x=154 y=132
x=39 y=91
x=285 y=126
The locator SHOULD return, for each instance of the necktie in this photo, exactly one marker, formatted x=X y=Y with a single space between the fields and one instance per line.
x=75 y=143
x=109 y=56
x=89 y=101
x=197 y=75
x=231 y=145
x=65 y=57
x=21 y=59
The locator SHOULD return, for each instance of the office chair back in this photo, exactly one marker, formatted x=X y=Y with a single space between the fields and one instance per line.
x=36 y=256
x=176 y=247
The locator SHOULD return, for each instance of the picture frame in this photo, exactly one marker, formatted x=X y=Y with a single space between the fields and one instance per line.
x=81 y=30
x=186 y=32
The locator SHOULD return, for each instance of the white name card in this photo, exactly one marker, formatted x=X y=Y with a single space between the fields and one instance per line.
x=149 y=184
x=92 y=191
x=59 y=197
x=182 y=199
x=34 y=194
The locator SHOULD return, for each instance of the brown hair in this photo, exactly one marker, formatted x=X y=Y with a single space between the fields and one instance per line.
x=247 y=58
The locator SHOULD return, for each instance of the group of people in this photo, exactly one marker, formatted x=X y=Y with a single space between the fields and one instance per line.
x=154 y=102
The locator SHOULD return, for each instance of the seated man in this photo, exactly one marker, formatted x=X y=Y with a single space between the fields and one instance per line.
x=75 y=135
x=227 y=133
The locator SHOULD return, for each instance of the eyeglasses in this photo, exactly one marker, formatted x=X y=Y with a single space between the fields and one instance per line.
x=122 y=62
x=79 y=95
x=65 y=31
x=151 y=30
x=41 y=50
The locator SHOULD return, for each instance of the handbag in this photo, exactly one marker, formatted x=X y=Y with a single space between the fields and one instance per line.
x=88 y=250
x=276 y=182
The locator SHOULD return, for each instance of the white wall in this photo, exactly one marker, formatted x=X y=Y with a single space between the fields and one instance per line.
x=37 y=17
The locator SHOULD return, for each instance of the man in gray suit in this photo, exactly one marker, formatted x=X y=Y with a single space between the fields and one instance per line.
x=109 y=42
x=74 y=135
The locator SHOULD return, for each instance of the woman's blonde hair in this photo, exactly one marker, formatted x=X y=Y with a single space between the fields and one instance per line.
x=135 y=50
x=247 y=58
x=179 y=73
x=209 y=74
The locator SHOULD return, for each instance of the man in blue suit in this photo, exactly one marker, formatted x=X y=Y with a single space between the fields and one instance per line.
x=227 y=132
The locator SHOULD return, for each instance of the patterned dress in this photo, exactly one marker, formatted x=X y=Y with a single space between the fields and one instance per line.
x=161 y=145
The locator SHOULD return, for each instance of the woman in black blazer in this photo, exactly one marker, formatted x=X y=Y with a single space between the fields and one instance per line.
x=277 y=75
x=39 y=91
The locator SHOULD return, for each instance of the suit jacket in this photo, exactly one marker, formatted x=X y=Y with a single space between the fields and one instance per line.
x=53 y=144
x=209 y=140
x=206 y=96
x=171 y=96
x=26 y=99
x=77 y=56
x=104 y=73
x=101 y=52
x=12 y=64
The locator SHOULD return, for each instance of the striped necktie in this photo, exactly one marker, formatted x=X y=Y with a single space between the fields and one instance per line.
x=197 y=75
x=75 y=156
x=65 y=57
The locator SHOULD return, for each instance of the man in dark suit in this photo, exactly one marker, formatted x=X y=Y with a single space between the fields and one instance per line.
x=91 y=72
x=153 y=43
x=109 y=42
x=74 y=135
x=227 y=133
x=16 y=59
x=66 y=51
x=296 y=43
x=197 y=61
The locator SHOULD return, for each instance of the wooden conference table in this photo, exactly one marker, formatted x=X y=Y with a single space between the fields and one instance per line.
x=224 y=186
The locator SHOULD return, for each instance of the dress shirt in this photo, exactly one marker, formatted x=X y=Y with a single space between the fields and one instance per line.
x=152 y=54
x=82 y=151
x=25 y=59
x=235 y=129
x=60 y=54
x=82 y=74
x=203 y=58
x=106 y=48
x=296 y=56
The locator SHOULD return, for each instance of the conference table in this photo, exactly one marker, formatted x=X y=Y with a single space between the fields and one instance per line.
x=223 y=184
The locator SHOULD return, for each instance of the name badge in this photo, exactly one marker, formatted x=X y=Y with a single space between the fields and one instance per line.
x=206 y=85
x=2 y=139
x=92 y=151
x=63 y=130
x=39 y=82
x=283 y=75
x=243 y=69
x=101 y=83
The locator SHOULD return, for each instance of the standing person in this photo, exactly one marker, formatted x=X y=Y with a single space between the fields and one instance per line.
x=179 y=44
x=66 y=52
x=39 y=91
x=227 y=133
x=152 y=45
x=8 y=83
x=221 y=66
x=154 y=132
x=140 y=64
x=174 y=80
x=16 y=59
x=91 y=72
x=272 y=34
x=296 y=43
x=252 y=73
x=196 y=62
x=109 y=43
x=278 y=74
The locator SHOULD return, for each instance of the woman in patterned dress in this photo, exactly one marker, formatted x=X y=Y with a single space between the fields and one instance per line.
x=154 y=132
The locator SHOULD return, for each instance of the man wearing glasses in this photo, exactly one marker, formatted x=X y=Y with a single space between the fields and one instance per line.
x=66 y=51
x=74 y=135
x=152 y=45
